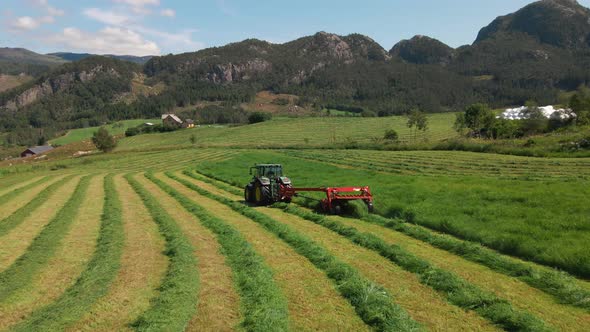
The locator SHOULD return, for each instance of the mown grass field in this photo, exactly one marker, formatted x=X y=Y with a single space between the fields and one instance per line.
x=117 y=128
x=305 y=132
x=160 y=239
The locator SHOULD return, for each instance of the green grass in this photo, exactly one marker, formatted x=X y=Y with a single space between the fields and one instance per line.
x=304 y=132
x=94 y=282
x=544 y=220
x=177 y=300
x=263 y=304
x=117 y=128
x=456 y=290
x=22 y=271
x=21 y=214
x=12 y=194
x=562 y=286
x=371 y=302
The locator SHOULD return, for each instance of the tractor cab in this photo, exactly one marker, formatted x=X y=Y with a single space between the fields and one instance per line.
x=270 y=171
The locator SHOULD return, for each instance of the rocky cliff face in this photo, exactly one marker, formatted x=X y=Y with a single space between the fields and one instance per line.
x=234 y=72
x=54 y=85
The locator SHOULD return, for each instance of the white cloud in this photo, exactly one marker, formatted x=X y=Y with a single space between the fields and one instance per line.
x=168 y=12
x=110 y=40
x=26 y=23
x=55 y=12
x=139 y=6
x=107 y=17
x=47 y=19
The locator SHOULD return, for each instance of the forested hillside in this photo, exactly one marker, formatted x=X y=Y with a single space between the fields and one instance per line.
x=534 y=54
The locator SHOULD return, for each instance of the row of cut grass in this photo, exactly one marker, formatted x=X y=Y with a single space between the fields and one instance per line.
x=456 y=290
x=94 y=282
x=263 y=305
x=22 y=271
x=177 y=301
x=19 y=215
x=371 y=302
x=21 y=188
x=218 y=305
x=559 y=284
x=62 y=270
x=515 y=217
x=314 y=301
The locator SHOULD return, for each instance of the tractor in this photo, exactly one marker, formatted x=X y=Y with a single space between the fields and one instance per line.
x=269 y=185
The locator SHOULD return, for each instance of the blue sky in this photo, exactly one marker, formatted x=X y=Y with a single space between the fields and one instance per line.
x=142 y=27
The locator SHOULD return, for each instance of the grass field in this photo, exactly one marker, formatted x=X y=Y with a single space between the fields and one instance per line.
x=298 y=132
x=117 y=128
x=159 y=239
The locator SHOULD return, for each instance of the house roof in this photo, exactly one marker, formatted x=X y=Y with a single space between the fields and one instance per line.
x=40 y=149
x=189 y=121
x=174 y=117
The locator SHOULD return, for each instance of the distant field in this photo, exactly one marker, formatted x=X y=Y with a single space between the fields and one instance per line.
x=117 y=128
x=8 y=82
x=311 y=132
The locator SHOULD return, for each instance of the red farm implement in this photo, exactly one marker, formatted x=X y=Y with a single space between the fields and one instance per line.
x=269 y=186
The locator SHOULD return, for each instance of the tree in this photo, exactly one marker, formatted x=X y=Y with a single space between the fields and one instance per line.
x=103 y=140
x=391 y=135
x=580 y=104
x=418 y=121
x=479 y=118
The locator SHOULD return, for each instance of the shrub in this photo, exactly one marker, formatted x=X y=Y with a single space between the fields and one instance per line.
x=103 y=140
x=391 y=135
x=258 y=117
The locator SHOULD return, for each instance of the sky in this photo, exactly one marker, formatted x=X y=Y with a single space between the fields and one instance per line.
x=157 y=27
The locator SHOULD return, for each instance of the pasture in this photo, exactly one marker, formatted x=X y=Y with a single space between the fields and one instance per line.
x=117 y=128
x=159 y=239
x=304 y=132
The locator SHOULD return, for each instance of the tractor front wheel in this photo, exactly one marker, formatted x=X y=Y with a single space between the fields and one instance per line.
x=248 y=194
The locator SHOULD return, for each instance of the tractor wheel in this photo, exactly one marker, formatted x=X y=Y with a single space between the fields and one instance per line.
x=247 y=194
x=262 y=195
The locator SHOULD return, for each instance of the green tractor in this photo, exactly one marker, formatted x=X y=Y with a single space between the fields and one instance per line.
x=268 y=185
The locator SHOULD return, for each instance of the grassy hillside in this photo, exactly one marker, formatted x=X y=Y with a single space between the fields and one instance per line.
x=298 y=131
x=117 y=128
x=8 y=82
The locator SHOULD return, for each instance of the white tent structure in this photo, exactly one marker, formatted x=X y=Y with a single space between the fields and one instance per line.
x=549 y=112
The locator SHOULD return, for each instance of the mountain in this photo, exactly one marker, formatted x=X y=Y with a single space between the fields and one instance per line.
x=79 y=56
x=16 y=61
x=560 y=23
x=423 y=50
x=531 y=54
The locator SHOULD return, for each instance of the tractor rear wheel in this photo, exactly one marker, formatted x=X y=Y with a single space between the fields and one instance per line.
x=262 y=195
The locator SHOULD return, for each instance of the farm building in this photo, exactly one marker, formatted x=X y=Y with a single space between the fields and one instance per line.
x=34 y=151
x=188 y=123
x=171 y=120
